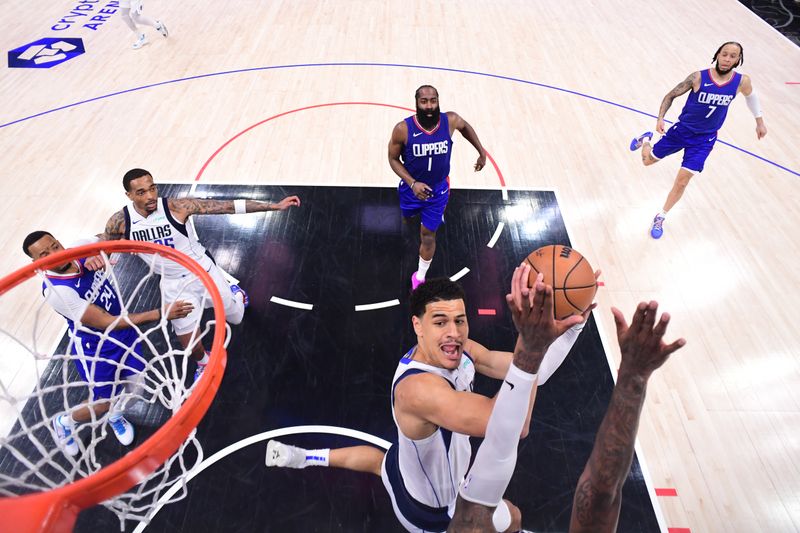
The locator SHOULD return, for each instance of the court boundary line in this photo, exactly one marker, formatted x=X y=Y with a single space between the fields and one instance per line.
x=380 y=65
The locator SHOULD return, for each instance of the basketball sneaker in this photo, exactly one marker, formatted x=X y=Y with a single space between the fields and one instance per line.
x=415 y=281
x=285 y=456
x=637 y=142
x=198 y=372
x=161 y=28
x=235 y=289
x=656 y=230
x=123 y=429
x=64 y=431
x=140 y=41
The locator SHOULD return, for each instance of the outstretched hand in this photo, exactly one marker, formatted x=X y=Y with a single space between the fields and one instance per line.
x=641 y=343
x=286 y=203
x=532 y=313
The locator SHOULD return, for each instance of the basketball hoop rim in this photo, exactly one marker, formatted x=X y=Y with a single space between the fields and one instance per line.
x=56 y=509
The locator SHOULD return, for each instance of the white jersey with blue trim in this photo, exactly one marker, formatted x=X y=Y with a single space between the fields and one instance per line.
x=160 y=227
x=432 y=468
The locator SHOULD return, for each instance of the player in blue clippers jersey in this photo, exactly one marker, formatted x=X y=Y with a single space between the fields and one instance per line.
x=84 y=295
x=703 y=114
x=419 y=152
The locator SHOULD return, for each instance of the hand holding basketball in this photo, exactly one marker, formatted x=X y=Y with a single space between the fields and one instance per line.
x=532 y=312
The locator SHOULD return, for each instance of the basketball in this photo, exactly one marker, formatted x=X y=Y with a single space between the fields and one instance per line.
x=570 y=275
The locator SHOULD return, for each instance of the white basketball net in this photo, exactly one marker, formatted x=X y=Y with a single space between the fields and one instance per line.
x=36 y=387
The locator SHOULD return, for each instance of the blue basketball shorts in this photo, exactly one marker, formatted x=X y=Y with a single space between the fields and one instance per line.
x=695 y=146
x=104 y=366
x=431 y=210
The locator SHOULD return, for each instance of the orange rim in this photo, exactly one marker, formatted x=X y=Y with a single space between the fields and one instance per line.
x=57 y=509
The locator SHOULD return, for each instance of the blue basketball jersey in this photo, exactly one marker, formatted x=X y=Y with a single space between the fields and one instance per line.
x=426 y=155
x=705 y=110
x=94 y=287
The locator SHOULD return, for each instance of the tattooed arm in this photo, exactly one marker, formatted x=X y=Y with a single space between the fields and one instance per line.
x=692 y=82
x=182 y=208
x=598 y=496
x=115 y=228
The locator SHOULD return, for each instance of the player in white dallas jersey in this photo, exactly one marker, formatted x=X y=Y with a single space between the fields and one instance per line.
x=166 y=221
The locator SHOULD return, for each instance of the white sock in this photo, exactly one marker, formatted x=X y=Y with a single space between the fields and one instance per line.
x=67 y=420
x=422 y=267
x=204 y=360
x=317 y=457
x=663 y=214
x=496 y=459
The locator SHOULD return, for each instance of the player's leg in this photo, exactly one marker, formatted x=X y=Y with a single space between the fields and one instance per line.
x=432 y=216
x=234 y=298
x=189 y=289
x=696 y=151
x=357 y=458
x=137 y=7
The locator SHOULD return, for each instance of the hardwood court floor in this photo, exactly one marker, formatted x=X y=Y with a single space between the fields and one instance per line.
x=555 y=91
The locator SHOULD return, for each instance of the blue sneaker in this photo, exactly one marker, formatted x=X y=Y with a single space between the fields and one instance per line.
x=123 y=429
x=656 y=230
x=64 y=433
x=198 y=373
x=637 y=142
x=246 y=299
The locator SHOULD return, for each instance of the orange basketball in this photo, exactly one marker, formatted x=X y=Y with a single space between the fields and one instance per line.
x=570 y=275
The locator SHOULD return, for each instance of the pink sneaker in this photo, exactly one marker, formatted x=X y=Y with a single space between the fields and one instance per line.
x=415 y=281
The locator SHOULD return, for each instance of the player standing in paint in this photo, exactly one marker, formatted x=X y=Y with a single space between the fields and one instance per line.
x=435 y=410
x=166 y=221
x=131 y=11
x=703 y=114
x=107 y=350
x=419 y=152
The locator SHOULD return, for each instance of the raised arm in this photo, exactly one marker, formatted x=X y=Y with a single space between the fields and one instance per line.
x=458 y=123
x=598 y=496
x=692 y=82
x=115 y=228
x=182 y=208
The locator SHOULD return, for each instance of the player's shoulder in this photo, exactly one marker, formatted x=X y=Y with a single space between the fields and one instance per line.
x=421 y=387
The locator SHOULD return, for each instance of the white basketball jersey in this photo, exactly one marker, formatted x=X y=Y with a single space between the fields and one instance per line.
x=160 y=227
x=432 y=468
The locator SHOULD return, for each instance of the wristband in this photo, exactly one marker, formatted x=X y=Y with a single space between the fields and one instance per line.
x=240 y=207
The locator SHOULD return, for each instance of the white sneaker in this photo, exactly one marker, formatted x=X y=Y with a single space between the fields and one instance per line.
x=161 y=28
x=65 y=431
x=140 y=41
x=123 y=429
x=285 y=456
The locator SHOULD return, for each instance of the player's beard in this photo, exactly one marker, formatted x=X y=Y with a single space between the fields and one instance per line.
x=428 y=122
x=720 y=71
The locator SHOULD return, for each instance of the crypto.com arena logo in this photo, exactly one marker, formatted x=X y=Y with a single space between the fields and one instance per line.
x=45 y=53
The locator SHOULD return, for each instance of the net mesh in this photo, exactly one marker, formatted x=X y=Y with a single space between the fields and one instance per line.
x=90 y=379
